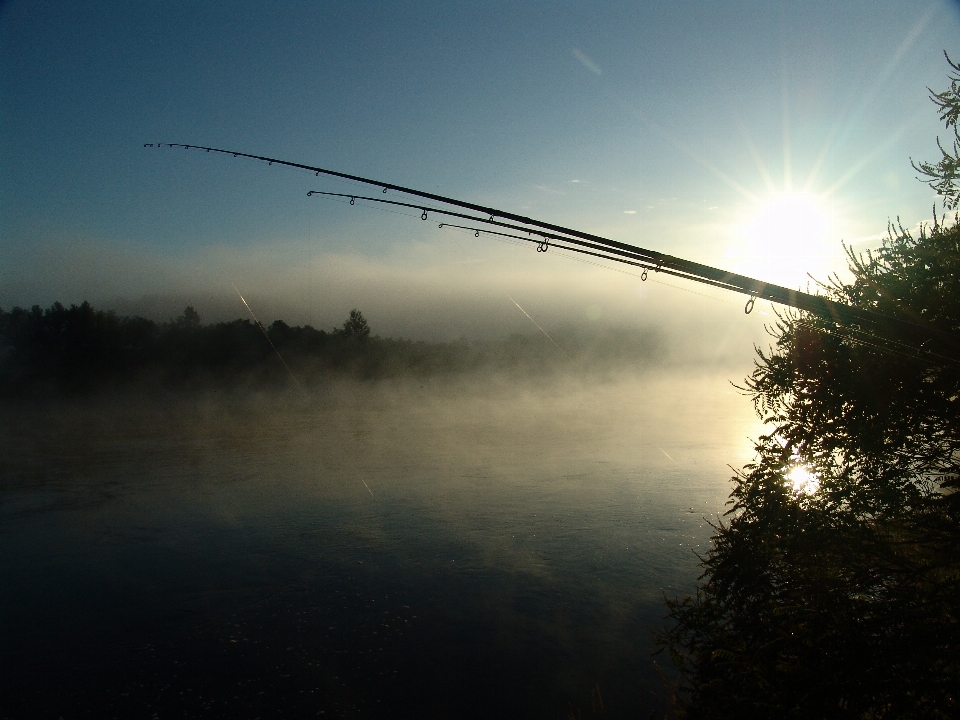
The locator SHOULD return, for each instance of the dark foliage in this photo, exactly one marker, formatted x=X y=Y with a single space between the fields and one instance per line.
x=73 y=350
x=844 y=601
x=69 y=348
x=355 y=326
x=944 y=174
x=833 y=587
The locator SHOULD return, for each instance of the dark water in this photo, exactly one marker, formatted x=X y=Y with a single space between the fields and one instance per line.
x=447 y=550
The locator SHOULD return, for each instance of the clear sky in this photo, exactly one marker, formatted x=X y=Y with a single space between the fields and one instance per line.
x=754 y=136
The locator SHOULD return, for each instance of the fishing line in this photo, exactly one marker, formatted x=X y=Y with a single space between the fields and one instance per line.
x=633 y=256
x=516 y=244
x=560 y=251
x=264 y=331
x=371 y=207
x=367 y=487
x=537 y=324
x=464 y=249
x=633 y=274
x=524 y=241
x=503 y=240
x=542 y=246
x=665 y=453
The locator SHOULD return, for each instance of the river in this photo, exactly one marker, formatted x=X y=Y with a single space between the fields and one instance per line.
x=462 y=547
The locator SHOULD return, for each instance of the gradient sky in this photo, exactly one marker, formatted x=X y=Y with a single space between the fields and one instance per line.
x=677 y=126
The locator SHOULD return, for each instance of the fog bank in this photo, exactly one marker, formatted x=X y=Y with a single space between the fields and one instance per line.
x=439 y=292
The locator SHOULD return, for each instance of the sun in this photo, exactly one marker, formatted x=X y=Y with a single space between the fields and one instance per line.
x=789 y=219
x=785 y=237
x=802 y=481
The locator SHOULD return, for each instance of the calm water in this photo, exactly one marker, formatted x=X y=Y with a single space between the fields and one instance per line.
x=446 y=549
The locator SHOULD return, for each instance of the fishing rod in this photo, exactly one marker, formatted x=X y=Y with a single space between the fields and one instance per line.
x=649 y=260
x=541 y=240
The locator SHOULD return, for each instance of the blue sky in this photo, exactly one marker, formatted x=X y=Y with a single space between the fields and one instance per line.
x=678 y=126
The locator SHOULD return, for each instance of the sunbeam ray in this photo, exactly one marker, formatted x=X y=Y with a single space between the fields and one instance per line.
x=848 y=122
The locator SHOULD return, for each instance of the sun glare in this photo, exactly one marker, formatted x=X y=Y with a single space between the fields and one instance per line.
x=786 y=237
x=802 y=481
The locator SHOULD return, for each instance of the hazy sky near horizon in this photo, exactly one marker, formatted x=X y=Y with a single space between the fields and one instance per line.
x=754 y=136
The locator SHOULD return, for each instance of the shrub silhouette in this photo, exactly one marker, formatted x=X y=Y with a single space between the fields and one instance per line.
x=841 y=597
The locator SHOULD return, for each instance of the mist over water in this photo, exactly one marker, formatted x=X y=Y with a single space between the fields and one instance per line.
x=460 y=546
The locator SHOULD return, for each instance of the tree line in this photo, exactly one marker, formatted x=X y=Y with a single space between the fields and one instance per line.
x=78 y=349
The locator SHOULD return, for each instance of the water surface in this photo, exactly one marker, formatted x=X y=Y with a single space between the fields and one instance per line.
x=457 y=548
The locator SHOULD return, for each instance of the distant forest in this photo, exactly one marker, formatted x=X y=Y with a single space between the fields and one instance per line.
x=78 y=349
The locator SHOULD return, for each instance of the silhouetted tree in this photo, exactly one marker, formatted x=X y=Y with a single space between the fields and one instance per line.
x=355 y=326
x=279 y=331
x=943 y=175
x=190 y=319
x=833 y=587
x=70 y=348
